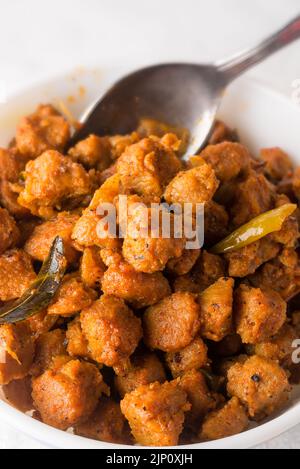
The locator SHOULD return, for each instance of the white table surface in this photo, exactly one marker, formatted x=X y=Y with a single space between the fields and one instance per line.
x=40 y=38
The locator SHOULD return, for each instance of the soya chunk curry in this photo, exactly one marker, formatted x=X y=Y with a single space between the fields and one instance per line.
x=143 y=340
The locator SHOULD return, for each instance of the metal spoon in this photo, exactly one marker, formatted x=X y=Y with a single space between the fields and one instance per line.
x=183 y=95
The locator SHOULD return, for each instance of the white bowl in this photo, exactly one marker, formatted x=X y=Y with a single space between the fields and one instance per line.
x=262 y=117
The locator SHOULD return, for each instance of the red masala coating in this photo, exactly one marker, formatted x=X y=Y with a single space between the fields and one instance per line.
x=172 y=323
x=155 y=413
x=112 y=330
x=69 y=395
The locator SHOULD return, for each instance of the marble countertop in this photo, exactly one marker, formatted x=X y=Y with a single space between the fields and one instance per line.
x=39 y=39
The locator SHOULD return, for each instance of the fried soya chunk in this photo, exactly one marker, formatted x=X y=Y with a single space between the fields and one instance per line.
x=9 y=200
x=86 y=232
x=43 y=130
x=93 y=152
x=107 y=193
x=173 y=323
x=278 y=348
x=230 y=420
x=145 y=368
x=92 y=267
x=201 y=399
x=260 y=384
x=282 y=199
x=216 y=222
x=9 y=231
x=228 y=159
x=248 y=259
x=194 y=384
x=77 y=344
x=107 y=423
x=259 y=314
x=16 y=352
x=143 y=248
x=278 y=165
x=193 y=356
x=155 y=413
x=148 y=127
x=150 y=255
x=119 y=143
x=52 y=181
x=16 y=274
x=253 y=196
x=285 y=187
x=226 y=194
x=11 y=165
x=68 y=395
x=136 y=288
x=111 y=257
x=48 y=346
x=18 y=394
x=222 y=133
x=296 y=183
x=289 y=233
x=40 y=323
x=208 y=269
x=39 y=242
x=281 y=274
x=112 y=330
x=10 y=169
x=183 y=264
x=216 y=309
x=107 y=173
x=197 y=185
x=148 y=166
x=186 y=283
x=72 y=297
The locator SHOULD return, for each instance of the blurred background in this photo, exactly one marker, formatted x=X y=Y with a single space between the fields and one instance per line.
x=40 y=39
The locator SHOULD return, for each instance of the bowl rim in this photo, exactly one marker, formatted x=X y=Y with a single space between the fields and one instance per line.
x=59 y=439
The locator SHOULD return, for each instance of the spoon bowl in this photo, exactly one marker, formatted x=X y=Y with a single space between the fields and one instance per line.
x=182 y=95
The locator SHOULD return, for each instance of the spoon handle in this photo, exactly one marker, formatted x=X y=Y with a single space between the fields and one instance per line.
x=241 y=62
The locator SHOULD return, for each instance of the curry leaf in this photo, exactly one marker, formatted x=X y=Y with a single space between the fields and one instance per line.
x=41 y=292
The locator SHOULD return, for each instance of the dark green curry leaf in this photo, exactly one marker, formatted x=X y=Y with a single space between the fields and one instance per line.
x=41 y=292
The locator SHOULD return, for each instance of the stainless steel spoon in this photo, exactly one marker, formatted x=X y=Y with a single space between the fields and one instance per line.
x=183 y=95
